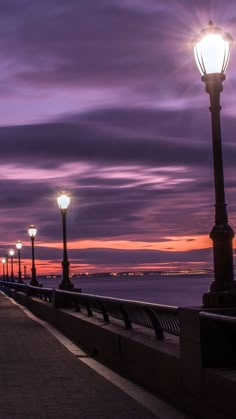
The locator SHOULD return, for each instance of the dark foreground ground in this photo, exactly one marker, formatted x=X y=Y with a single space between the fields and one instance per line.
x=41 y=379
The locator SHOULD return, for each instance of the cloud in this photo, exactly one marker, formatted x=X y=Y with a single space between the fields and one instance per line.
x=104 y=100
x=118 y=136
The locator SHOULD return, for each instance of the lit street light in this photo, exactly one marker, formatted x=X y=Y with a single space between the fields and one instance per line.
x=63 y=202
x=19 y=246
x=32 y=231
x=3 y=268
x=212 y=50
x=11 y=253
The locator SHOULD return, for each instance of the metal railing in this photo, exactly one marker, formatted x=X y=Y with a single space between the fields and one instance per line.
x=45 y=294
x=229 y=318
x=160 y=318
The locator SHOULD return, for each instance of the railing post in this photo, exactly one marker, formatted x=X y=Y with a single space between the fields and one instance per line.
x=88 y=308
x=128 y=324
x=58 y=300
x=62 y=299
x=156 y=325
x=191 y=349
x=54 y=298
x=104 y=313
x=28 y=291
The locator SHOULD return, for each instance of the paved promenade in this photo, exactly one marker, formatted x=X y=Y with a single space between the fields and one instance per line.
x=41 y=379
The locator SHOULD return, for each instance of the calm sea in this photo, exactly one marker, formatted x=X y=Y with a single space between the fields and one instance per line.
x=173 y=290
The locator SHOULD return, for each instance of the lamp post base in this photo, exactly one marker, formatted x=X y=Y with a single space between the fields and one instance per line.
x=20 y=281
x=66 y=285
x=34 y=282
x=220 y=299
x=222 y=292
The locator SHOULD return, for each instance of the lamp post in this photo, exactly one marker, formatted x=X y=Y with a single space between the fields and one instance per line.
x=3 y=268
x=212 y=50
x=63 y=202
x=11 y=253
x=32 y=231
x=6 y=257
x=19 y=246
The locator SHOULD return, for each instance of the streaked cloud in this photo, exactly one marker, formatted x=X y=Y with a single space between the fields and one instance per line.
x=103 y=99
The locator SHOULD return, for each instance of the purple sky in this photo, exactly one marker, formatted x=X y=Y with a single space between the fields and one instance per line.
x=103 y=99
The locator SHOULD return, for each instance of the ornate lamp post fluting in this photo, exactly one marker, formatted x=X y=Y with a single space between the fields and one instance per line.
x=63 y=202
x=3 y=268
x=32 y=231
x=19 y=246
x=212 y=50
x=11 y=253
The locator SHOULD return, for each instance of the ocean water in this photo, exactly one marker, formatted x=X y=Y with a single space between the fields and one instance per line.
x=182 y=291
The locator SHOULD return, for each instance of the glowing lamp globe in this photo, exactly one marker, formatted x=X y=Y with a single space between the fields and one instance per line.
x=19 y=245
x=63 y=201
x=32 y=230
x=11 y=252
x=212 y=50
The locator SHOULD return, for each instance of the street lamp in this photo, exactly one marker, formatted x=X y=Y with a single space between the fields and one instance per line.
x=19 y=246
x=11 y=253
x=6 y=257
x=32 y=231
x=63 y=202
x=3 y=268
x=212 y=50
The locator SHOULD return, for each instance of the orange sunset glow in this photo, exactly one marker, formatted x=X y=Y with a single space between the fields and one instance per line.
x=172 y=244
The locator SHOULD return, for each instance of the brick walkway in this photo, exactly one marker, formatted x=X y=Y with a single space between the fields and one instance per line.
x=41 y=379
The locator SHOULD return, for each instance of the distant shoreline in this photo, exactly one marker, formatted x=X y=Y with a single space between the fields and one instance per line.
x=156 y=275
